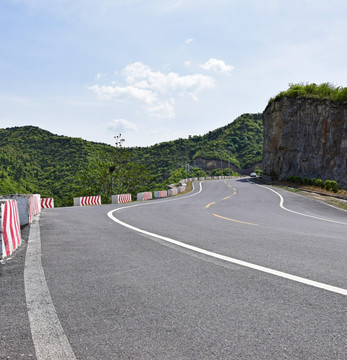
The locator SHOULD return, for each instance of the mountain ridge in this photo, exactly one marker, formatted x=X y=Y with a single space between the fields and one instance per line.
x=34 y=160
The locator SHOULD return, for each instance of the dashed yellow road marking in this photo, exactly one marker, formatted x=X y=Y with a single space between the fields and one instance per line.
x=238 y=221
x=228 y=197
x=207 y=206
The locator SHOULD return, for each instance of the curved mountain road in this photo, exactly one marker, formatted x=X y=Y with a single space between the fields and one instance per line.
x=163 y=280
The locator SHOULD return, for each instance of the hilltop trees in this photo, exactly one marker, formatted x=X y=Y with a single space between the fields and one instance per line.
x=321 y=91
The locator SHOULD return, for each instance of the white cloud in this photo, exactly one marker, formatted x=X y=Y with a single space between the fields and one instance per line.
x=127 y=92
x=188 y=41
x=187 y=63
x=165 y=107
x=154 y=89
x=122 y=125
x=218 y=66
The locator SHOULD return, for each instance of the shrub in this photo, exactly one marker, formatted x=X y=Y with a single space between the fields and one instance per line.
x=319 y=183
x=327 y=185
x=322 y=91
x=298 y=180
x=334 y=187
x=305 y=181
x=313 y=181
x=290 y=179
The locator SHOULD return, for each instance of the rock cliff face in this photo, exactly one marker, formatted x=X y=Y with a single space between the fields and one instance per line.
x=209 y=165
x=307 y=138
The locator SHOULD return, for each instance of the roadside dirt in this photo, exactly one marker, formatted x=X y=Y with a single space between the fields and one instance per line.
x=338 y=199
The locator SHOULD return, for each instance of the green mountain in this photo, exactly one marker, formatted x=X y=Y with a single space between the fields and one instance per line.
x=33 y=160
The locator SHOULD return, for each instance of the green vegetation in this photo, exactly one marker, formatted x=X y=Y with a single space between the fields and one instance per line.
x=329 y=185
x=322 y=91
x=112 y=172
x=33 y=160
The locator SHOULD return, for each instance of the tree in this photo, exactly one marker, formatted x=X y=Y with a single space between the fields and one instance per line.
x=114 y=172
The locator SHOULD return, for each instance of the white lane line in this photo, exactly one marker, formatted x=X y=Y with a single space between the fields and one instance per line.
x=47 y=333
x=227 y=258
x=296 y=212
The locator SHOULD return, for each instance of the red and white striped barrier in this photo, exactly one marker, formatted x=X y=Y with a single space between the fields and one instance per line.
x=34 y=206
x=9 y=227
x=144 y=196
x=122 y=198
x=172 y=192
x=182 y=188
x=160 y=194
x=87 y=200
x=28 y=206
x=47 y=203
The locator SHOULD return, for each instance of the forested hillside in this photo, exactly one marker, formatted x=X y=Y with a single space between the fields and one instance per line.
x=33 y=160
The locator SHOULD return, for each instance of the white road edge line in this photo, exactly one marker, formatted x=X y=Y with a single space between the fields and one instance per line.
x=47 y=333
x=227 y=258
x=296 y=212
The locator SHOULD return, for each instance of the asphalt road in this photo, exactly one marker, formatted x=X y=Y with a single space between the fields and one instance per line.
x=176 y=289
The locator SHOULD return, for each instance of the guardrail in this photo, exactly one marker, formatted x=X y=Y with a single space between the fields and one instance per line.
x=29 y=205
x=87 y=200
x=122 y=198
x=47 y=203
x=9 y=227
x=160 y=194
x=147 y=195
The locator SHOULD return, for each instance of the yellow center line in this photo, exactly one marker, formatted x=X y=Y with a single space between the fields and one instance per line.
x=238 y=221
x=207 y=206
x=228 y=197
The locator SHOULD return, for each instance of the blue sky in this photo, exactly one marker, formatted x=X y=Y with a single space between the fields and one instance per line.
x=159 y=70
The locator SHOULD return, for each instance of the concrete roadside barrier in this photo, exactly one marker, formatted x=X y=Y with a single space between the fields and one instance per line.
x=172 y=192
x=9 y=227
x=160 y=194
x=34 y=206
x=144 y=196
x=29 y=205
x=47 y=203
x=122 y=198
x=87 y=200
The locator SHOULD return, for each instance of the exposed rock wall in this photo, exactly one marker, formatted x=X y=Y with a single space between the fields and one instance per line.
x=210 y=165
x=307 y=138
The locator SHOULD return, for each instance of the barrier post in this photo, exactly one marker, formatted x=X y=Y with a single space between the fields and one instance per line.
x=122 y=198
x=87 y=200
x=29 y=205
x=144 y=196
x=10 y=235
x=47 y=203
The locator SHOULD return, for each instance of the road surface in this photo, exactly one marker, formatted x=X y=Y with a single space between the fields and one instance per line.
x=233 y=270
